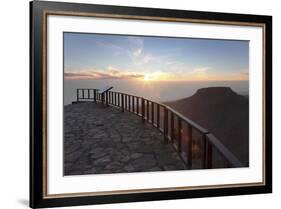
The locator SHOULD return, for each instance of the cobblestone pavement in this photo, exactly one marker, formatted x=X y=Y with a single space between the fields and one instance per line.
x=99 y=140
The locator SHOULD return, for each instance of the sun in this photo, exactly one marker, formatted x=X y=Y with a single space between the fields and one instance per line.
x=155 y=76
x=148 y=77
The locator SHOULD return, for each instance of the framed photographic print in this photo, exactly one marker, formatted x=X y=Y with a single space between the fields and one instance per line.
x=140 y=104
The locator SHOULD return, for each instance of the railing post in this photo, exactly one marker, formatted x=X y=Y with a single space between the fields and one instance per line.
x=179 y=135
x=152 y=113
x=77 y=95
x=107 y=98
x=125 y=101
x=133 y=104
x=189 y=147
x=122 y=102
x=95 y=95
x=165 y=125
x=172 y=127
x=138 y=105
x=209 y=156
x=82 y=93
x=129 y=105
x=158 y=116
x=88 y=93
x=142 y=110
x=204 y=154
x=147 y=110
x=119 y=100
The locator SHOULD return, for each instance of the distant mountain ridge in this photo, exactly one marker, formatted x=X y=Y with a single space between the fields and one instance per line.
x=224 y=113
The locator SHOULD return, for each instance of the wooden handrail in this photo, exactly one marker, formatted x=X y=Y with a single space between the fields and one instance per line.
x=144 y=110
x=231 y=158
x=190 y=122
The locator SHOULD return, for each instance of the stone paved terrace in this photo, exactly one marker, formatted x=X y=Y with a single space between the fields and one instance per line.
x=99 y=140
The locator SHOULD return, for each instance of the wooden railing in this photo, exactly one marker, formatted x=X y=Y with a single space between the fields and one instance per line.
x=184 y=134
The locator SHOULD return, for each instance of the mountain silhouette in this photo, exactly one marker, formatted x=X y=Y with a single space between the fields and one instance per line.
x=224 y=113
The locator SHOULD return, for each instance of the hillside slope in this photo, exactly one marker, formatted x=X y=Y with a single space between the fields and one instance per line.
x=224 y=113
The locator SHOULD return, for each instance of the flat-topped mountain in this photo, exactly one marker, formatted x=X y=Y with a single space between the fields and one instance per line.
x=224 y=113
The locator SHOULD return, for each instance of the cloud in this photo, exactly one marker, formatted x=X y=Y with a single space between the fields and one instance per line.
x=135 y=48
x=132 y=46
x=111 y=73
x=136 y=44
x=136 y=51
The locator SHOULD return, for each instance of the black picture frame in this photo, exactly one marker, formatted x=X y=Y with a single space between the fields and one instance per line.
x=38 y=11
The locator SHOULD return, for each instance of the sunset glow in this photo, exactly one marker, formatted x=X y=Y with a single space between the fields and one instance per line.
x=94 y=56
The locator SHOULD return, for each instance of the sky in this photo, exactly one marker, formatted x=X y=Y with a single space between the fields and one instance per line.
x=103 y=56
